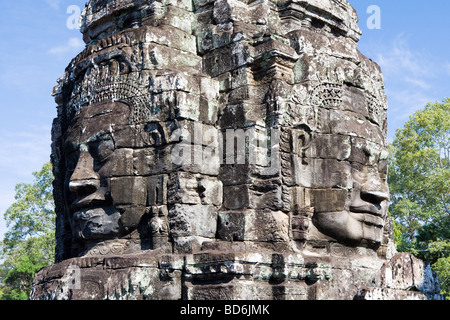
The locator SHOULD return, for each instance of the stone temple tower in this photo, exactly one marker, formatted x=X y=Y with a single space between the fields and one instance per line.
x=223 y=149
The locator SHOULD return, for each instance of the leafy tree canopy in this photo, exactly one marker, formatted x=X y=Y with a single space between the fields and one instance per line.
x=29 y=243
x=419 y=181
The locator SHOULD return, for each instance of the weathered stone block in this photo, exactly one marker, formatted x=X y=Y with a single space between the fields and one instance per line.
x=328 y=200
x=198 y=133
x=193 y=220
x=325 y=145
x=235 y=174
x=183 y=245
x=121 y=164
x=365 y=152
x=139 y=278
x=171 y=15
x=346 y=123
x=183 y=188
x=231 y=226
x=227 y=58
x=157 y=190
x=191 y=188
x=354 y=100
x=129 y=190
x=229 y=10
x=201 y=3
x=211 y=191
x=205 y=160
x=182 y=4
x=253 y=225
x=321 y=173
x=174 y=81
x=178 y=39
x=160 y=57
x=152 y=161
x=240 y=115
x=236 y=197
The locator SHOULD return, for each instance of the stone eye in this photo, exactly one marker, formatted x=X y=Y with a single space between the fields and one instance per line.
x=71 y=152
x=102 y=150
x=72 y=160
x=383 y=168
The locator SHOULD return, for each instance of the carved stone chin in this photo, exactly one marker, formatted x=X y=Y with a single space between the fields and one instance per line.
x=210 y=142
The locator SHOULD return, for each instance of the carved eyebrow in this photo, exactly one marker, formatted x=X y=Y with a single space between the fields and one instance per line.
x=101 y=135
x=100 y=113
x=70 y=146
x=384 y=155
x=375 y=154
x=367 y=150
x=376 y=151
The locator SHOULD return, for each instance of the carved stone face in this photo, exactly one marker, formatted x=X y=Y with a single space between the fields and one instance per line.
x=99 y=209
x=114 y=162
x=356 y=216
x=349 y=190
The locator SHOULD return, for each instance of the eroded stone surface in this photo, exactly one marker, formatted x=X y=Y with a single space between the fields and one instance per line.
x=223 y=150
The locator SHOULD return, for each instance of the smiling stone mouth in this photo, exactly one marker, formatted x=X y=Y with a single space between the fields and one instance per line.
x=369 y=218
x=89 y=204
x=86 y=214
x=90 y=213
x=368 y=208
x=97 y=223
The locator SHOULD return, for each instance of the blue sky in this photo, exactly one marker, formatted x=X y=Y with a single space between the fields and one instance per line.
x=412 y=47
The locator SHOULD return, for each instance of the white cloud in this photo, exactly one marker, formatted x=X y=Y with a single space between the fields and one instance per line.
x=418 y=82
x=53 y=3
x=73 y=44
x=412 y=74
x=403 y=103
x=400 y=60
x=21 y=153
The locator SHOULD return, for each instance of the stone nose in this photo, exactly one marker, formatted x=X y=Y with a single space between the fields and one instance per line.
x=374 y=197
x=84 y=179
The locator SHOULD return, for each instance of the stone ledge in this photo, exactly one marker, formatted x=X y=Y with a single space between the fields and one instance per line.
x=230 y=275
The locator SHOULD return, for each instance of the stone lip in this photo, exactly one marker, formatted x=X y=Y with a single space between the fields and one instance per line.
x=217 y=275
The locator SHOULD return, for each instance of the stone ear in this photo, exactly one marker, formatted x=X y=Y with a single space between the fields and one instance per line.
x=161 y=133
x=156 y=135
x=301 y=139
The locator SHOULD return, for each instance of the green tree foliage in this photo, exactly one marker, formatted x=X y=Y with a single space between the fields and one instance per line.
x=442 y=268
x=419 y=181
x=29 y=243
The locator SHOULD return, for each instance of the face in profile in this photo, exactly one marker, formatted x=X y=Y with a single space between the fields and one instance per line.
x=97 y=205
x=352 y=199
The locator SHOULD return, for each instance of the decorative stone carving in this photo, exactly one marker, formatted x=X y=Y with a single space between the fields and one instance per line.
x=223 y=150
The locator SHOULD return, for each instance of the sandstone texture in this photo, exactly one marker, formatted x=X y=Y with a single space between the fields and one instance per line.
x=224 y=150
